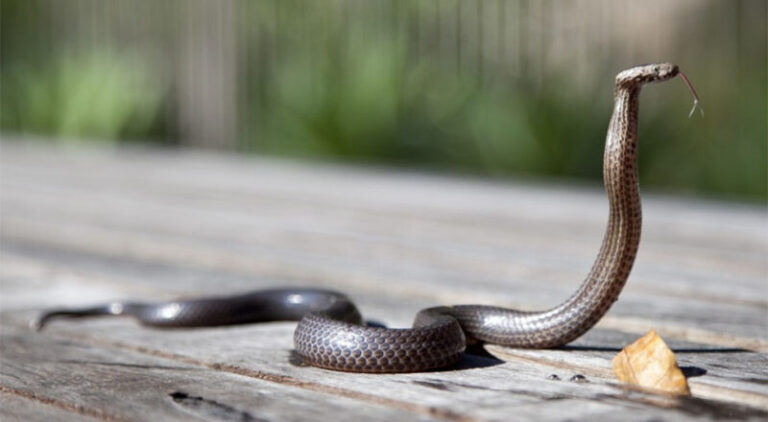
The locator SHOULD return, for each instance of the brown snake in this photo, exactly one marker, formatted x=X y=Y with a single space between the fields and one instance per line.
x=331 y=333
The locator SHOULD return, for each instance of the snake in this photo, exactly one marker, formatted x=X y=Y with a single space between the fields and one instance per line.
x=331 y=332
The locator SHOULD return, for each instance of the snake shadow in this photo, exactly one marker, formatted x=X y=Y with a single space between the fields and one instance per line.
x=475 y=356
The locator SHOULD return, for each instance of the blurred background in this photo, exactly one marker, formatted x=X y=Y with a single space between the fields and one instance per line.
x=499 y=88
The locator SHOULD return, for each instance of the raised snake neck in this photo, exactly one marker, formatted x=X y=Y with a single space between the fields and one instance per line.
x=331 y=333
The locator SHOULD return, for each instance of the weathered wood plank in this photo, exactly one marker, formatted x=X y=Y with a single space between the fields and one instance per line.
x=473 y=388
x=81 y=227
x=742 y=380
x=183 y=281
x=733 y=316
x=270 y=349
x=118 y=385
x=508 y=221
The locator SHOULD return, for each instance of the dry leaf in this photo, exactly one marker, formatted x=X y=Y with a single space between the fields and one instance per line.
x=649 y=363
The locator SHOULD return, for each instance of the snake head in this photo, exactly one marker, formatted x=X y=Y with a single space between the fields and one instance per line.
x=646 y=73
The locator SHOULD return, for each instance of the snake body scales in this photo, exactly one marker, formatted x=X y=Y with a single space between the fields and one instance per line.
x=331 y=333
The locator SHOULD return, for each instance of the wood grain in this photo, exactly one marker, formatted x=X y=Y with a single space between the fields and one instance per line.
x=80 y=227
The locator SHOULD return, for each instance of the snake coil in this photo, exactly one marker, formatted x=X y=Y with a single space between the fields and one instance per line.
x=331 y=333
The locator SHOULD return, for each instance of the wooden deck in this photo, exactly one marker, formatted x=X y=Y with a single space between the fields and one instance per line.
x=86 y=226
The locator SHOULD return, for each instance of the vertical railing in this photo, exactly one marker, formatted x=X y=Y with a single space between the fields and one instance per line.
x=216 y=56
